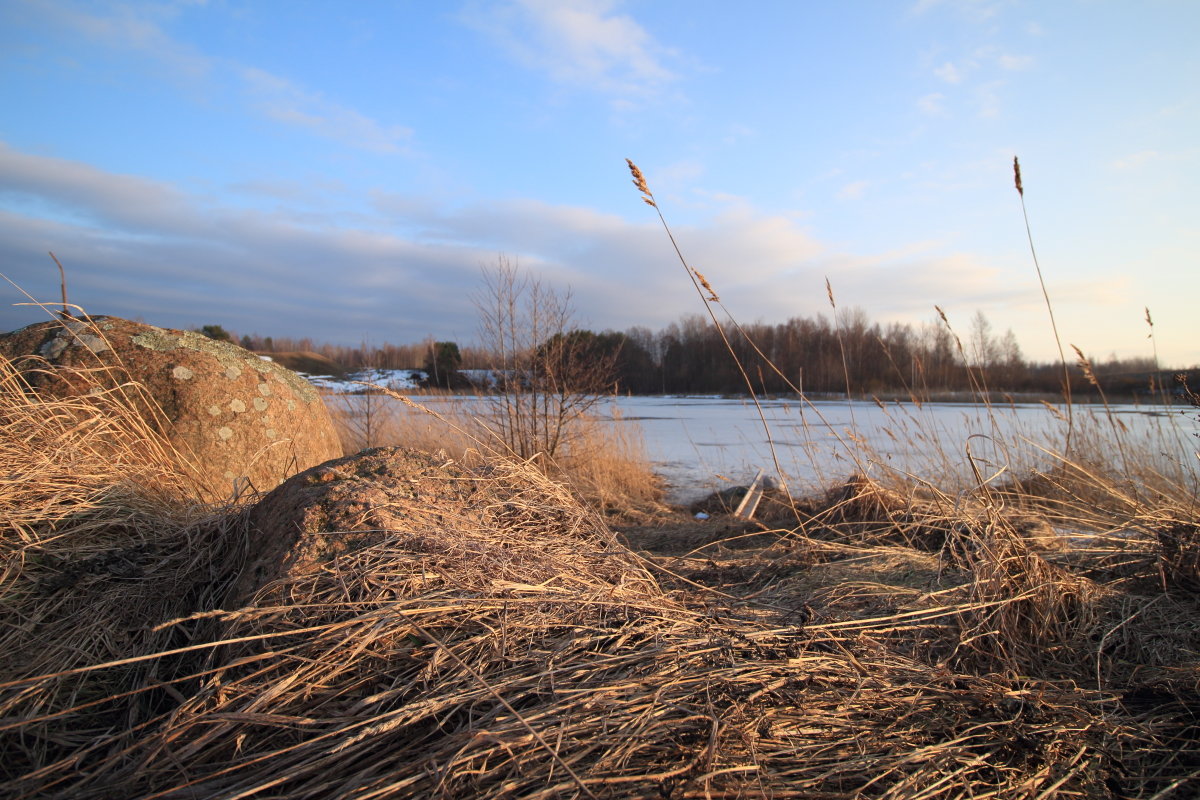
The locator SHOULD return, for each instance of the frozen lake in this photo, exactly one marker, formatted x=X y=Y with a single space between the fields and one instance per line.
x=700 y=442
x=704 y=443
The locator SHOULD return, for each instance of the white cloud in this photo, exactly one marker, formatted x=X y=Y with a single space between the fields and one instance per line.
x=933 y=104
x=1011 y=62
x=738 y=131
x=578 y=42
x=676 y=176
x=975 y=72
x=129 y=27
x=283 y=101
x=974 y=10
x=313 y=191
x=921 y=6
x=106 y=199
x=138 y=28
x=140 y=248
x=853 y=190
x=949 y=73
x=987 y=96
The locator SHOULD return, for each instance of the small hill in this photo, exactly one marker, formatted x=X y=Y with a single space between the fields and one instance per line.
x=308 y=362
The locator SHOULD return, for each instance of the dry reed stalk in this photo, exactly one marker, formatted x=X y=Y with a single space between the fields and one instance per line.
x=710 y=298
x=1062 y=357
x=62 y=275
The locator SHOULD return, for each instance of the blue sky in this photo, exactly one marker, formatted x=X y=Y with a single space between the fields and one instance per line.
x=343 y=171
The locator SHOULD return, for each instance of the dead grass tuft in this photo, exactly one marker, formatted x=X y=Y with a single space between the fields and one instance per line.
x=97 y=545
x=604 y=461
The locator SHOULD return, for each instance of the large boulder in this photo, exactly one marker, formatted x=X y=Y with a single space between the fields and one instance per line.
x=235 y=420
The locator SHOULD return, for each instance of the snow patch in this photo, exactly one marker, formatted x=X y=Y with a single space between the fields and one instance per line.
x=398 y=380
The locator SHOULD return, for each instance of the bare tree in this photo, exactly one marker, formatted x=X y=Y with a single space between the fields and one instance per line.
x=548 y=374
x=985 y=351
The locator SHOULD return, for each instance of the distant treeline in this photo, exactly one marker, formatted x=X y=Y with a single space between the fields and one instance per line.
x=847 y=353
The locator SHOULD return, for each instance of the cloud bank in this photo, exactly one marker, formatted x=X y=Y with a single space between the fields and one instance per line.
x=144 y=249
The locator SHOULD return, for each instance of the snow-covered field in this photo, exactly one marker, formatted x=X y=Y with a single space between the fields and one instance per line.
x=398 y=380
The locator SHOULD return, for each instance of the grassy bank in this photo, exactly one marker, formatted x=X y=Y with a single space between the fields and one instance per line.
x=1032 y=636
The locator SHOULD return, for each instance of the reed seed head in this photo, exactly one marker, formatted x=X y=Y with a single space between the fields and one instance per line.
x=829 y=292
x=712 y=294
x=1054 y=410
x=1017 y=176
x=1189 y=395
x=1086 y=366
x=639 y=180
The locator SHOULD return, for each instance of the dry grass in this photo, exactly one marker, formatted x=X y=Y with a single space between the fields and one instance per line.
x=607 y=463
x=99 y=543
x=380 y=420
x=888 y=643
x=604 y=461
x=1030 y=634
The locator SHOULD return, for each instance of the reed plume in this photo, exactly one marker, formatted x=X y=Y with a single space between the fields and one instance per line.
x=1049 y=308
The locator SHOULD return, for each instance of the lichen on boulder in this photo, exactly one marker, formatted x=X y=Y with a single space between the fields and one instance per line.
x=236 y=421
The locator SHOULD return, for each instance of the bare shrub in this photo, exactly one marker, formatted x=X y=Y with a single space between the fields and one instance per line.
x=547 y=376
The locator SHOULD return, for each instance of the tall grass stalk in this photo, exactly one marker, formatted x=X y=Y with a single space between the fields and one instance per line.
x=1062 y=356
x=706 y=293
x=710 y=298
x=837 y=324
